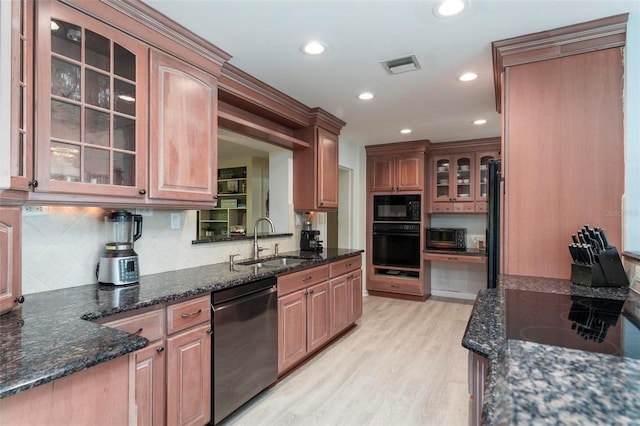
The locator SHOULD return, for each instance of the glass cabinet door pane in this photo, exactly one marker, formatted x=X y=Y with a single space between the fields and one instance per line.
x=65 y=121
x=442 y=178
x=65 y=79
x=124 y=100
x=97 y=89
x=124 y=133
x=97 y=125
x=65 y=39
x=124 y=63
x=463 y=172
x=97 y=51
x=65 y=162
x=124 y=169
x=96 y=165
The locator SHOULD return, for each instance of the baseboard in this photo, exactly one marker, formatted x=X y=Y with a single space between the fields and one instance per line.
x=453 y=294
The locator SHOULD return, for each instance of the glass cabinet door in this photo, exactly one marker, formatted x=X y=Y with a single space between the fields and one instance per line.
x=442 y=179
x=95 y=132
x=464 y=178
x=481 y=174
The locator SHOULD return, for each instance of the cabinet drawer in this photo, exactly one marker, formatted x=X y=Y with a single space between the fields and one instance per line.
x=442 y=207
x=481 y=207
x=149 y=325
x=464 y=207
x=455 y=258
x=299 y=280
x=186 y=314
x=346 y=265
x=397 y=287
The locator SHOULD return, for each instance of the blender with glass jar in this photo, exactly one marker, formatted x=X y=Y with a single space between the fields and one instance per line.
x=119 y=262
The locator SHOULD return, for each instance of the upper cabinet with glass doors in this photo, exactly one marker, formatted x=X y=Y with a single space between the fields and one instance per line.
x=91 y=103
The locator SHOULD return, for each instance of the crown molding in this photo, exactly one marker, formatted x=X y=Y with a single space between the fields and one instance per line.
x=575 y=39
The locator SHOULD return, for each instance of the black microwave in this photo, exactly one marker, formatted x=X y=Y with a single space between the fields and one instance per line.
x=447 y=238
x=397 y=208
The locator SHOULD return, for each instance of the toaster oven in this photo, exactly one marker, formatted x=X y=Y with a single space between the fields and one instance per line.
x=446 y=238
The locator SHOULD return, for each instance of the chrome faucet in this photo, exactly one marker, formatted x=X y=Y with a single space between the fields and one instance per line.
x=257 y=249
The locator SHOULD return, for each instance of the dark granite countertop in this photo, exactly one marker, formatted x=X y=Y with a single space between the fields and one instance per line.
x=49 y=336
x=466 y=252
x=531 y=383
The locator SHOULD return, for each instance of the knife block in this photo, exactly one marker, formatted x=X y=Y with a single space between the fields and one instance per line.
x=606 y=272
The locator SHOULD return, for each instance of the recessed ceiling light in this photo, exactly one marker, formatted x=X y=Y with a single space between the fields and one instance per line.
x=365 y=96
x=480 y=121
x=468 y=76
x=448 y=8
x=405 y=131
x=313 y=48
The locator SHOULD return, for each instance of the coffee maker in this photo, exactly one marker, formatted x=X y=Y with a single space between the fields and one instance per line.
x=310 y=238
x=119 y=262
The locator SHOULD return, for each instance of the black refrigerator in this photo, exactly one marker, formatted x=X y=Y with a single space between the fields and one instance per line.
x=494 y=177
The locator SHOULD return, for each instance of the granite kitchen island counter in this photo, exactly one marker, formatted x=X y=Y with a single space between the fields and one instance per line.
x=530 y=382
x=52 y=335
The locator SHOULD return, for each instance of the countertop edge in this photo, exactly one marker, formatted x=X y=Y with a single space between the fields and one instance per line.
x=123 y=343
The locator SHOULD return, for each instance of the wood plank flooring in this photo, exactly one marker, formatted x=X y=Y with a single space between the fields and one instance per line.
x=402 y=365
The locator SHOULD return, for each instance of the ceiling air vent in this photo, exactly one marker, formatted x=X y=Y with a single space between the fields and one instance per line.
x=397 y=66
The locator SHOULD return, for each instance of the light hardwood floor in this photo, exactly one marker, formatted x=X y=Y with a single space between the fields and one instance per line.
x=402 y=365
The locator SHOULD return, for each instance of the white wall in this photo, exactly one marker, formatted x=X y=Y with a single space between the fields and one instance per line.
x=631 y=207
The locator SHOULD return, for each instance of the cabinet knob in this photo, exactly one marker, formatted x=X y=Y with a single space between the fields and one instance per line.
x=310 y=291
x=160 y=349
x=19 y=299
x=33 y=183
x=142 y=191
x=209 y=332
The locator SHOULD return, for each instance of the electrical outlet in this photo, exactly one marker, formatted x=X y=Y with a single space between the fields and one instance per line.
x=175 y=220
x=144 y=212
x=35 y=211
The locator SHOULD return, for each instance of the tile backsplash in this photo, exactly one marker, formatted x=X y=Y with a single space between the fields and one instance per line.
x=61 y=249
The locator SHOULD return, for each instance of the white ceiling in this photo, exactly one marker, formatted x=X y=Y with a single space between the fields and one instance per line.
x=264 y=38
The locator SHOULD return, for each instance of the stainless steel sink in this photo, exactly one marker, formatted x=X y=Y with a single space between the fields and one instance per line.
x=283 y=261
x=273 y=262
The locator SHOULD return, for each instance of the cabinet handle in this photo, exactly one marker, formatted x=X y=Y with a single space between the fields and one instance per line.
x=160 y=349
x=306 y=292
x=452 y=258
x=192 y=314
x=33 y=183
x=350 y=277
x=348 y=265
x=209 y=332
x=310 y=291
x=395 y=286
x=139 y=331
x=19 y=299
x=307 y=279
x=142 y=191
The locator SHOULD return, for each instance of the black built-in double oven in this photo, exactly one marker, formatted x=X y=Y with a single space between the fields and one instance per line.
x=396 y=230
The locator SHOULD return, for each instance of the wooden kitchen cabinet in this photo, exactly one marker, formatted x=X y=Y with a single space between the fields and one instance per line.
x=303 y=315
x=393 y=173
x=183 y=130
x=172 y=380
x=91 y=82
x=315 y=170
x=345 y=290
x=453 y=181
x=478 y=370
x=189 y=377
x=10 y=258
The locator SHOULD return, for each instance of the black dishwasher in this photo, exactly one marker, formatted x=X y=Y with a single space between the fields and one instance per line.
x=245 y=344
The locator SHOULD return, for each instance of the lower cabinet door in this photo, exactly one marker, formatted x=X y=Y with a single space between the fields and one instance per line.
x=292 y=332
x=340 y=304
x=149 y=384
x=318 y=301
x=189 y=377
x=356 y=296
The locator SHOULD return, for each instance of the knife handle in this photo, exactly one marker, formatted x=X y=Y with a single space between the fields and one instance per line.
x=581 y=238
x=604 y=239
x=575 y=239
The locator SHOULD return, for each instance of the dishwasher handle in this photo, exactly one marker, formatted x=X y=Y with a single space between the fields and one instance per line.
x=243 y=299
